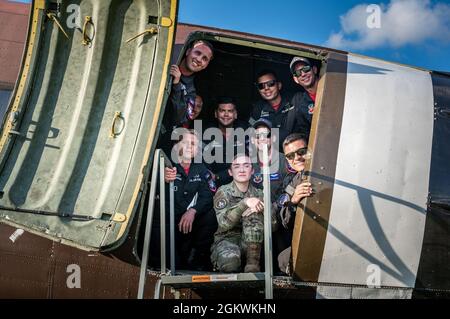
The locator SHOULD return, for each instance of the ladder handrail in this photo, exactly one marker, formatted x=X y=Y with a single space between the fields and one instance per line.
x=148 y=227
x=165 y=162
x=268 y=270
x=160 y=162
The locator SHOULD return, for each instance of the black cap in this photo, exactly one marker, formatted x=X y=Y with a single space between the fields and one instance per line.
x=263 y=122
x=298 y=59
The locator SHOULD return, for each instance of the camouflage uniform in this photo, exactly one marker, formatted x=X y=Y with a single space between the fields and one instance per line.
x=234 y=231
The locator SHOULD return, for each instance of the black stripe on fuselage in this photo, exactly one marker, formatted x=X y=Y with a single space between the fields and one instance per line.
x=434 y=266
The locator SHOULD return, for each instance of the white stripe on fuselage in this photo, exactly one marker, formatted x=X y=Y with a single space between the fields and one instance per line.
x=378 y=209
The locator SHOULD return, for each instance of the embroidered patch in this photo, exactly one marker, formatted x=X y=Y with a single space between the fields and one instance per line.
x=288 y=109
x=275 y=177
x=311 y=109
x=257 y=178
x=196 y=178
x=212 y=185
x=190 y=108
x=282 y=200
x=210 y=180
x=220 y=203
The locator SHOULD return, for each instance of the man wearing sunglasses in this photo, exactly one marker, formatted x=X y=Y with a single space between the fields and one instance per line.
x=304 y=74
x=273 y=105
x=293 y=190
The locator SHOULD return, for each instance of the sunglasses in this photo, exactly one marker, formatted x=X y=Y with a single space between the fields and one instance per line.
x=304 y=69
x=263 y=85
x=300 y=152
x=262 y=135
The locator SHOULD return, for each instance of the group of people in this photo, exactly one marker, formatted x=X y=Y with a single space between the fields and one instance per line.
x=219 y=205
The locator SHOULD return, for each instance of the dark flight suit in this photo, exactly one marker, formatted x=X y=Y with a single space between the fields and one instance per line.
x=279 y=168
x=182 y=100
x=286 y=218
x=304 y=106
x=179 y=111
x=284 y=118
x=193 y=249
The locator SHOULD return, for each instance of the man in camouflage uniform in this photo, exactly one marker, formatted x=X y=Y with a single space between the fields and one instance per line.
x=239 y=207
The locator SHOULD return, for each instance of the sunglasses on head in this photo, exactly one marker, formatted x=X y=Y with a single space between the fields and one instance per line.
x=263 y=85
x=300 y=152
x=304 y=69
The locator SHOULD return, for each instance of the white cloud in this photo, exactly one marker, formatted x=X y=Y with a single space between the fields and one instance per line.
x=402 y=22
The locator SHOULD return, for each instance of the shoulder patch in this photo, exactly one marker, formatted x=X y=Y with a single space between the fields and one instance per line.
x=282 y=200
x=212 y=185
x=257 y=178
x=220 y=203
x=210 y=180
x=275 y=176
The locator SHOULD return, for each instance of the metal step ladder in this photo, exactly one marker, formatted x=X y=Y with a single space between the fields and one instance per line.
x=193 y=279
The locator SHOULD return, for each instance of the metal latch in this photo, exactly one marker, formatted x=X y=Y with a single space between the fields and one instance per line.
x=52 y=17
x=117 y=116
x=87 y=40
x=150 y=31
x=119 y=218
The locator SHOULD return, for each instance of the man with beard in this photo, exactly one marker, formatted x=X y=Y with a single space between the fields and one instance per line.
x=219 y=152
x=273 y=106
x=183 y=94
x=306 y=75
x=184 y=102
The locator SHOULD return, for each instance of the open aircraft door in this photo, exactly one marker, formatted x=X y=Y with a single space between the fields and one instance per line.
x=371 y=157
x=77 y=138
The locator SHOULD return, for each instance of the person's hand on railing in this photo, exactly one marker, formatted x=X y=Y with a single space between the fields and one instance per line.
x=170 y=174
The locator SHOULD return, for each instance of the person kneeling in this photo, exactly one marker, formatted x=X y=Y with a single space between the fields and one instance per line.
x=239 y=210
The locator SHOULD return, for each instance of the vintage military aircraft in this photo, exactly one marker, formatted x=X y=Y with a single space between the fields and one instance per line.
x=78 y=142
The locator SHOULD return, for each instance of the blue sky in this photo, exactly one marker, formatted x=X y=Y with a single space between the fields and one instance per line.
x=414 y=32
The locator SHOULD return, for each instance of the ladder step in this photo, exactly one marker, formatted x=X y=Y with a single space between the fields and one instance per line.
x=215 y=279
